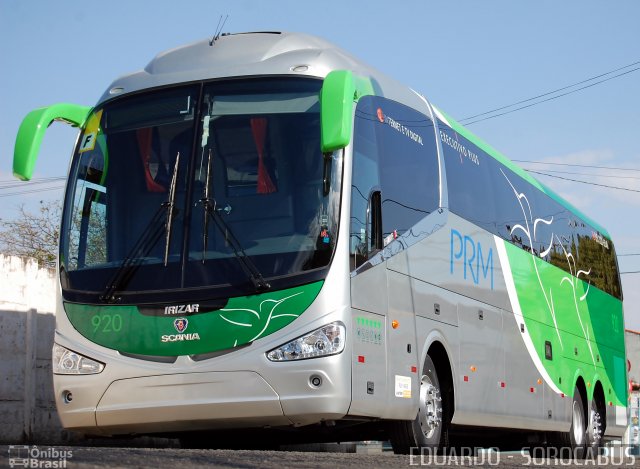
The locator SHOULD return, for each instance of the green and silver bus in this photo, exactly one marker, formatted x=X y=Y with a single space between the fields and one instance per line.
x=260 y=232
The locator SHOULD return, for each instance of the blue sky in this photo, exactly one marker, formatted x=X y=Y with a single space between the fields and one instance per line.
x=467 y=57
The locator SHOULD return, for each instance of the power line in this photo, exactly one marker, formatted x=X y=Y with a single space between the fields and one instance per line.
x=27 y=187
x=50 y=178
x=33 y=191
x=588 y=174
x=551 y=98
x=551 y=92
x=16 y=182
x=33 y=182
x=577 y=165
x=631 y=272
x=583 y=182
x=625 y=255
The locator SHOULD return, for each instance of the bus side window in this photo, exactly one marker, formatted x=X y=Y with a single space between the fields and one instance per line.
x=408 y=165
x=395 y=174
x=476 y=185
x=364 y=182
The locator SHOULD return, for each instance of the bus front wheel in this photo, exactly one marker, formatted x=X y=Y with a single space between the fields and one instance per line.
x=429 y=429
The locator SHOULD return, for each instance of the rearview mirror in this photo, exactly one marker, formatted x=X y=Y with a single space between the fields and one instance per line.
x=340 y=90
x=336 y=109
x=32 y=129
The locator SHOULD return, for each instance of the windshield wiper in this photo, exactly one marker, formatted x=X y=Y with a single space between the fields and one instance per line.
x=205 y=222
x=171 y=204
x=147 y=240
x=210 y=210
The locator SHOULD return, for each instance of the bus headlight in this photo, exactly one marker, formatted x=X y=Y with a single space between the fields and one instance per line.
x=67 y=362
x=327 y=340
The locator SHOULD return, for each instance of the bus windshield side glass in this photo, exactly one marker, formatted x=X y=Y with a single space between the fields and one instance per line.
x=214 y=188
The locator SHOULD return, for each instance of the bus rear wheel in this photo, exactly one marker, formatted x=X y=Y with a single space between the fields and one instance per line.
x=595 y=429
x=429 y=429
x=578 y=433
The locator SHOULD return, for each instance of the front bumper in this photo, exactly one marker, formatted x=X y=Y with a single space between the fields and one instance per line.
x=183 y=402
x=127 y=398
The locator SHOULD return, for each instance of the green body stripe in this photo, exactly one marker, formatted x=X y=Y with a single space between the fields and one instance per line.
x=241 y=321
x=583 y=325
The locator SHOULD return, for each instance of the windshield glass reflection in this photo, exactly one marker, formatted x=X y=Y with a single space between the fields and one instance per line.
x=174 y=191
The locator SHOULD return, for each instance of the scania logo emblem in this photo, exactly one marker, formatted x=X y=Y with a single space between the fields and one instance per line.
x=180 y=324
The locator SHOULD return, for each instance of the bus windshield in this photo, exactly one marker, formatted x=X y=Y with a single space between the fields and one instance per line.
x=220 y=189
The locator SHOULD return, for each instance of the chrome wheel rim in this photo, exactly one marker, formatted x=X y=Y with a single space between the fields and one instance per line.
x=595 y=427
x=578 y=423
x=430 y=412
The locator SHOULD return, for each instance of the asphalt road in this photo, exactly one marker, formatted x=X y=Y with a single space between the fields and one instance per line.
x=154 y=458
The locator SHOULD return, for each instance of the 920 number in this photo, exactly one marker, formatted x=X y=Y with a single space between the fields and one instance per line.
x=106 y=323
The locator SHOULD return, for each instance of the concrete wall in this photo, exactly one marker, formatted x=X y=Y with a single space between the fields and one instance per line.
x=24 y=285
x=27 y=303
x=27 y=324
x=27 y=408
x=632 y=345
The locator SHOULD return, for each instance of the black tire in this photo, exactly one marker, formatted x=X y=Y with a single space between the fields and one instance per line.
x=430 y=427
x=595 y=428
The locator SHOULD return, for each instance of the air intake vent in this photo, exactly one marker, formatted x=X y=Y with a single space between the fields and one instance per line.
x=150 y=358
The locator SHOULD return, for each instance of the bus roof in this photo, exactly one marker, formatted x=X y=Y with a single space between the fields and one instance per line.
x=256 y=54
x=293 y=54
x=238 y=55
